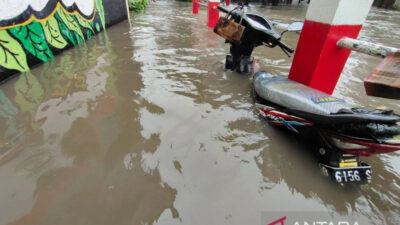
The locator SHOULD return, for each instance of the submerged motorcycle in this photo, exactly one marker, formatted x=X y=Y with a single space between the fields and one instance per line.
x=340 y=132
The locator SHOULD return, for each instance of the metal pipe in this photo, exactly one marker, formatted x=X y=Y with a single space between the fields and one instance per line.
x=206 y=5
x=366 y=47
x=203 y=4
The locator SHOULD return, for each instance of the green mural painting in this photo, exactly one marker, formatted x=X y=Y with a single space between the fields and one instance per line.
x=33 y=40
x=28 y=39
x=53 y=34
x=12 y=55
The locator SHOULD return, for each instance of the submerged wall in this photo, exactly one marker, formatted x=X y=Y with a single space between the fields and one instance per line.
x=33 y=31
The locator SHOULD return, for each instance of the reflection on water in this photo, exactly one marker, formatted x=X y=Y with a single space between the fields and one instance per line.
x=142 y=125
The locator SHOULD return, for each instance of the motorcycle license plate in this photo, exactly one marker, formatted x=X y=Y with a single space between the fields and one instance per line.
x=351 y=174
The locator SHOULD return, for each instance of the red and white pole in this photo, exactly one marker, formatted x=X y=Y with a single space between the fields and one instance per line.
x=213 y=13
x=318 y=61
x=196 y=6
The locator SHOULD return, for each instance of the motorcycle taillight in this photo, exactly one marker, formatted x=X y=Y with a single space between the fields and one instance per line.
x=361 y=147
x=342 y=144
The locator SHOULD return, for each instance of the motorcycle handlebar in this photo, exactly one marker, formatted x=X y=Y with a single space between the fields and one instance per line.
x=223 y=9
x=284 y=47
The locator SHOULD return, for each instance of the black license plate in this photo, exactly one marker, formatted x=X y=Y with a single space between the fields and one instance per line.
x=352 y=174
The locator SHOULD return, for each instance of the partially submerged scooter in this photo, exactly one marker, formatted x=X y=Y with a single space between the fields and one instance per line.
x=341 y=133
x=258 y=31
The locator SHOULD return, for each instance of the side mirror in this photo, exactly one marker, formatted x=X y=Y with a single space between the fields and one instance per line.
x=295 y=26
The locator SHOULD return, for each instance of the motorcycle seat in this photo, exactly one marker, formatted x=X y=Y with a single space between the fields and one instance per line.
x=258 y=22
x=261 y=24
x=313 y=104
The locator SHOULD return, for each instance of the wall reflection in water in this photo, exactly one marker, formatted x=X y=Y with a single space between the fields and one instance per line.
x=68 y=151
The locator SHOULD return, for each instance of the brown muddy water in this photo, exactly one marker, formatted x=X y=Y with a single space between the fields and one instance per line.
x=143 y=125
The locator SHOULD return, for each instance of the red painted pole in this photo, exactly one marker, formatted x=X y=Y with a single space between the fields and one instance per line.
x=196 y=6
x=213 y=13
x=227 y=2
x=318 y=62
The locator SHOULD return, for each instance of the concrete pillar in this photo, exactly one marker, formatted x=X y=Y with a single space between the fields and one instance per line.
x=195 y=7
x=318 y=62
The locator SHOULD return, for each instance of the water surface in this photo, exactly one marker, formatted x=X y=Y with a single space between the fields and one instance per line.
x=143 y=125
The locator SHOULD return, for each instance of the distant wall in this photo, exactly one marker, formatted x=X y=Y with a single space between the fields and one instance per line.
x=33 y=31
x=397 y=4
x=273 y=2
x=384 y=3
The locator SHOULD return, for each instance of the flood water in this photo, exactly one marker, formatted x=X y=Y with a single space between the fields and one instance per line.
x=143 y=125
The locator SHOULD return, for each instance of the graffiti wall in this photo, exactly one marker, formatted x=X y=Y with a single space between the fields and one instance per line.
x=33 y=31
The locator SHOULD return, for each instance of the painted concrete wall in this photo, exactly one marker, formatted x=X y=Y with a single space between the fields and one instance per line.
x=34 y=31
